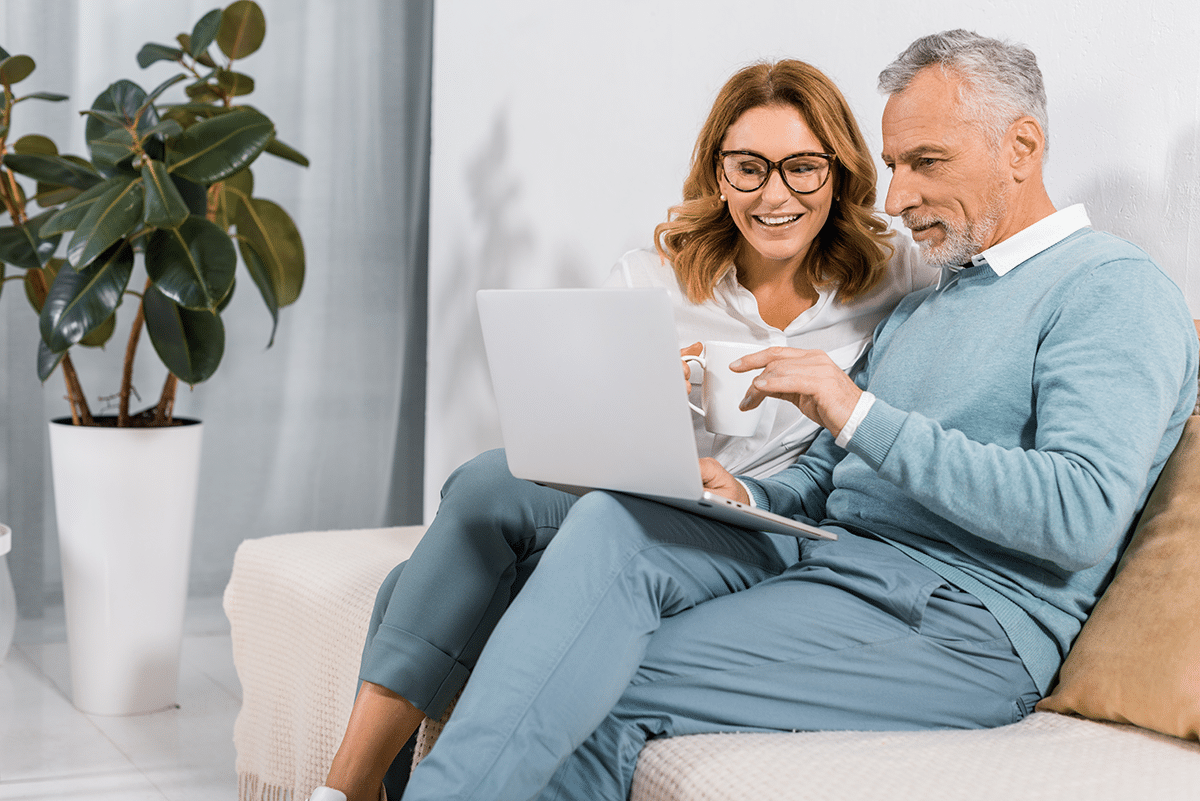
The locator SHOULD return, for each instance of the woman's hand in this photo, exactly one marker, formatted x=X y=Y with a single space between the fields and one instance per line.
x=807 y=378
x=720 y=481
x=695 y=349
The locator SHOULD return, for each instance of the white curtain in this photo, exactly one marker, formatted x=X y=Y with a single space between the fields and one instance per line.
x=325 y=429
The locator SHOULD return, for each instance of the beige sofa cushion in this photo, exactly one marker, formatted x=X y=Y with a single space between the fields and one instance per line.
x=1137 y=659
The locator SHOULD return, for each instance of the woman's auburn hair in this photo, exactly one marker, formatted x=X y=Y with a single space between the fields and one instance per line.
x=700 y=238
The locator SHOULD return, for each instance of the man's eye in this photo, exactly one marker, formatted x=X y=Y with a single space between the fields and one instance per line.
x=924 y=163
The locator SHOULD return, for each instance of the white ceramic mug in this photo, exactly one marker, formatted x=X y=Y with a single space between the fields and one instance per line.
x=724 y=389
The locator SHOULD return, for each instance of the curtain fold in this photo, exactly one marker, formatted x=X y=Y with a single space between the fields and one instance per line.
x=405 y=505
x=325 y=429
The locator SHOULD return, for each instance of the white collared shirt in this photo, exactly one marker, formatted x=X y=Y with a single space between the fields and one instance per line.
x=1002 y=258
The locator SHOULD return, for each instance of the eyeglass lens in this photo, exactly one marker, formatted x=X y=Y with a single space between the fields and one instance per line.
x=802 y=174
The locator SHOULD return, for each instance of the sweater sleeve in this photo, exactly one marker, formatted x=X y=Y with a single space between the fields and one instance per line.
x=1108 y=378
x=802 y=488
x=808 y=482
x=1112 y=367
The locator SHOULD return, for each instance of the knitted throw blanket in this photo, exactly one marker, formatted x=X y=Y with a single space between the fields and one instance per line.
x=298 y=607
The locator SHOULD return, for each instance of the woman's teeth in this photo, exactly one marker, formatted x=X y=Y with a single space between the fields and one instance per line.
x=778 y=220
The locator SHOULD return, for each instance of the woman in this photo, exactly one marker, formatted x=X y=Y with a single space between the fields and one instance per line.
x=775 y=243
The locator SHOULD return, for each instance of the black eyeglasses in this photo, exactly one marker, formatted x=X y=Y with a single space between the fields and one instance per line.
x=803 y=173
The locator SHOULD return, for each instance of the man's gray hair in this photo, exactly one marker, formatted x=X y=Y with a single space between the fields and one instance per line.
x=1001 y=81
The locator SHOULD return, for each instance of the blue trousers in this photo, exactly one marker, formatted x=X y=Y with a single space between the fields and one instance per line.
x=643 y=621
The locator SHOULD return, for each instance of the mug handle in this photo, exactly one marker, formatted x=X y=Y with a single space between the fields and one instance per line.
x=700 y=361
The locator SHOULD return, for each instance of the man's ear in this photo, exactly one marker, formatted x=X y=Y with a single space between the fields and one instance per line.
x=1027 y=146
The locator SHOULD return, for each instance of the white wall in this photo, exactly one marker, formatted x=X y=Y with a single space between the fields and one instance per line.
x=562 y=133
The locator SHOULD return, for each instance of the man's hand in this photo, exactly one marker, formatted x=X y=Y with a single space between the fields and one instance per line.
x=720 y=481
x=807 y=378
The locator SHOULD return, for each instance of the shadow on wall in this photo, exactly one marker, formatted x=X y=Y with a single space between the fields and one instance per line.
x=496 y=244
x=1157 y=215
x=493 y=246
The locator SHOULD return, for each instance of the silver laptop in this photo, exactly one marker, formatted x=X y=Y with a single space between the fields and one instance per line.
x=590 y=392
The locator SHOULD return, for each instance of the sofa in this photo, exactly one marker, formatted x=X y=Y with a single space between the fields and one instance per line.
x=1121 y=723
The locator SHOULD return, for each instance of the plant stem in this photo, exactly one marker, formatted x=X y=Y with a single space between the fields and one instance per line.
x=165 y=411
x=135 y=334
x=81 y=415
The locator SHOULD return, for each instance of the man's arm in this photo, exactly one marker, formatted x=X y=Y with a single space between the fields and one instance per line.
x=809 y=482
x=1107 y=385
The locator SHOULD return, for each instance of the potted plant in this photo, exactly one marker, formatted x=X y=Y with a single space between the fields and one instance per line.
x=166 y=195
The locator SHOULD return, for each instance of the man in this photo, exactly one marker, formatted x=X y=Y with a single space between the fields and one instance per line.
x=1020 y=411
x=982 y=473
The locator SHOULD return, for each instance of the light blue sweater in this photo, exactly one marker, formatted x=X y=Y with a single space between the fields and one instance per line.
x=1021 y=421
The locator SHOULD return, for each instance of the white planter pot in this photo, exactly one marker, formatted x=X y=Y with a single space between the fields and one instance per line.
x=126 y=505
x=8 y=598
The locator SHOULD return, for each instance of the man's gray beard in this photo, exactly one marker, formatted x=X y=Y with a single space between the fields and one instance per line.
x=959 y=243
x=957 y=247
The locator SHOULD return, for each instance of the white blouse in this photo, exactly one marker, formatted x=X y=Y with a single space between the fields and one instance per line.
x=843 y=330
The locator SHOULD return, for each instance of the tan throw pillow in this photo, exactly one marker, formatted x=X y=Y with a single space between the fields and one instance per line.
x=1137 y=659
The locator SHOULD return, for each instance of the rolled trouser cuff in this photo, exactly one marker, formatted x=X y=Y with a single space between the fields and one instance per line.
x=426 y=676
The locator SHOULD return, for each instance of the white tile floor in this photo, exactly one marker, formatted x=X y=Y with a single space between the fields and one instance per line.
x=50 y=750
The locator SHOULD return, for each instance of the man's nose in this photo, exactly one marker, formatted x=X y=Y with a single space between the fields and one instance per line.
x=901 y=195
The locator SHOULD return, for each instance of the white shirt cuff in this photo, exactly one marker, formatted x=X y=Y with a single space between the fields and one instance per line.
x=748 y=493
x=865 y=401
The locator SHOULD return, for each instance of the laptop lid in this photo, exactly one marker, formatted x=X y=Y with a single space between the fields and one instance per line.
x=585 y=381
x=590 y=391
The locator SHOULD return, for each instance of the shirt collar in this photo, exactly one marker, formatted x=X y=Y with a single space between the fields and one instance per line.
x=1005 y=256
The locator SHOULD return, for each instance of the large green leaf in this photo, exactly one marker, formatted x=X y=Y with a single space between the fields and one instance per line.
x=50 y=193
x=114 y=215
x=276 y=240
x=114 y=153
x=166 y=128
x=57 y=170
x=158 y=90
x=122 y=100
x=35 y=143
x=53 y=97
x=15 y=69
x=277 y=148
x=229 y=196
x=49 y=273
x=80 y=302
x=194 y=195
x=235 y=84
x=71 y=215
x=28 y=246
x=198 y=110
x=164 y=206
x=47 y=360
x=202 y=92
x=190 y=343
x=98 y=337
x=151 y=53
x=204 y=32
x=262 y=279
x=51 y=197
x=243 y=28
x=216 y=148
x=193 y=264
